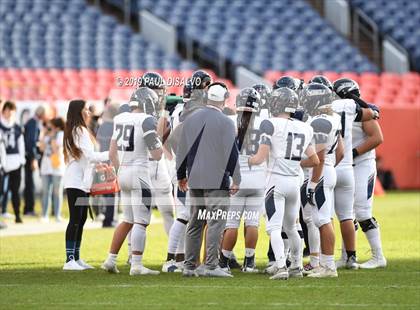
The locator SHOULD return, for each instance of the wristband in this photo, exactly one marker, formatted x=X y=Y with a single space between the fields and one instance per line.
x=355 y=153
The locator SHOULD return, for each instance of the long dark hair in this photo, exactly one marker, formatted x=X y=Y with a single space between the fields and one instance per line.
x=74 y=121
x=244 y=120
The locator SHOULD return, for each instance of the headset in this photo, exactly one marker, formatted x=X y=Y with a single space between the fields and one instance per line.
x=226 y=95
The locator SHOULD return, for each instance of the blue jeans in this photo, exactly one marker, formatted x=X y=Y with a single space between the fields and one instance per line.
x=52 y=187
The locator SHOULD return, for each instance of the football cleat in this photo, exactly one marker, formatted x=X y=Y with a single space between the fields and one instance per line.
x=189 y=273
x=180 y=265
x=271 y=269
x=308 y=269
x=85 y=265
x=141 y=270
x=110 y=267
x=295 y=273
x=323 y=272
x=249 y=265
x=377 y=261
x=351 y=263
x=200 y=271
x=281 y=274
x=341 y=263
x=170 y=266
x=72 y=266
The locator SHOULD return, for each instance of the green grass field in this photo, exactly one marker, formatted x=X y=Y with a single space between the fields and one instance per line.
x=31 y=275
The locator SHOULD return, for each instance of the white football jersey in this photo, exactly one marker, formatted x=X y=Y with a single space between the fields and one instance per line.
x=175 y=115
x=326 y=130
x=288 y=139
x=135 y=134
x=359 y=137
x=348 y=111
x=250 y=143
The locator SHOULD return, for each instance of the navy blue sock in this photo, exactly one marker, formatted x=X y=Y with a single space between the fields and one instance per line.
x=70 y=246
x=77 y=250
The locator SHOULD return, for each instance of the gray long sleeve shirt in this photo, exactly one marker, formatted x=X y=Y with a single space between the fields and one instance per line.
x=207 y=150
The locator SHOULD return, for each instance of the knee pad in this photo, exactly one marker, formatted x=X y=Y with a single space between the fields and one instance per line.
x=368 y=224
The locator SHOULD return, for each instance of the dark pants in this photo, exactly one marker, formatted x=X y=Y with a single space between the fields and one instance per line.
x=208 y=201
x=29 y=193
x=14 y=185
x=109 y=203
x=4 y=194
x=77 y=213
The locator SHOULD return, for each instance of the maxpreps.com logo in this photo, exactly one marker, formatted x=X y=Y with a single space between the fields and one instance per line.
x=227 y=215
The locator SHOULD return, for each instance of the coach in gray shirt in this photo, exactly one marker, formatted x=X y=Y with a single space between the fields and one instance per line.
x=207 y=156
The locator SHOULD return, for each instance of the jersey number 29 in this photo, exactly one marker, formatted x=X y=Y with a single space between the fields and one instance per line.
x=125 y=138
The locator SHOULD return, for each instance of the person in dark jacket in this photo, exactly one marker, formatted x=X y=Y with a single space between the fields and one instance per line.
x=207 y=156
x=32 y=130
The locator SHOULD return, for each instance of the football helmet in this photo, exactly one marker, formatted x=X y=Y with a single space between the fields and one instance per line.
x=321 y=80
x=248 y=99
x=155 y=81
x=283 y=100
x=344 y=87
x=315 y=96
x=288 y=82
x=200 y=79
x=264 y=91
x=187 y=91
x=145 y=99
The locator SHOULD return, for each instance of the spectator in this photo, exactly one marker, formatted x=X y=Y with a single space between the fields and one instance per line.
x=385 y=176
x=207 y=152
x=15 y=154
x=2 y=164
x=103 y=137
x=32 y=131
x=52 y=168
x=79 y=153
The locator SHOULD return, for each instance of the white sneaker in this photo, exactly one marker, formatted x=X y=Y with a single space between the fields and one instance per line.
x=374 y=262
x=110 y=267
x=341 y=263
x=281 y=274
x=217 y=273
x=200 y=271
x=59 y=219
x=83 y=264
x=7 y=215
x=141 y=270
x=271 y=270
x=170 y=266
x=45 y=219
x=295 y=272
x=324 y=272
x=309 y=269
x=249 y=270
x=73 y=266
x=180 y=265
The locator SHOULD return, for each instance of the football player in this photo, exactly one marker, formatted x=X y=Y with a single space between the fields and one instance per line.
x=318 y=209
x=134 y=139
x=250 y=197
x=158 y=169
x=366 y=137
x=283 y=142
x=349 y=112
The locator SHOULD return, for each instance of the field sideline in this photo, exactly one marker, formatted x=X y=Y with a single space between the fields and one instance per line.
x=31 y=275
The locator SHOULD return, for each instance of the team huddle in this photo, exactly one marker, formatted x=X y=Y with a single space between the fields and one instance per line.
x=306 y=153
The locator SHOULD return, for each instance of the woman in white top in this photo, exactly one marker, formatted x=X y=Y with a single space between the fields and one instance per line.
x=79 y=155
x=52 y=167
